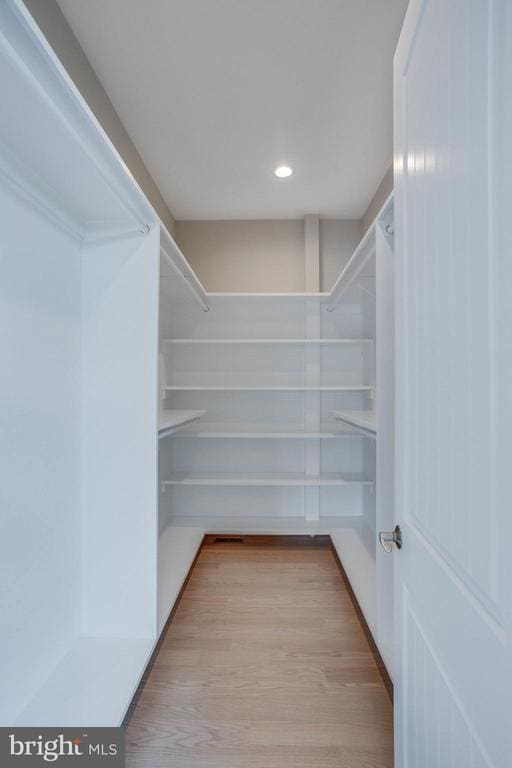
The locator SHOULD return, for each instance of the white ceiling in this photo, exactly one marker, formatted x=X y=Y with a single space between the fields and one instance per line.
x=216 y=93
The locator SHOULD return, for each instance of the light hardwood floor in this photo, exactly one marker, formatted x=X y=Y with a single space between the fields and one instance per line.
x=264 y=665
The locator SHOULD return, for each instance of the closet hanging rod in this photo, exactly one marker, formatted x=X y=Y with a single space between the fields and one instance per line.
x=365 y=290
x=186 y=278
x=362 y=255
x=354 y=267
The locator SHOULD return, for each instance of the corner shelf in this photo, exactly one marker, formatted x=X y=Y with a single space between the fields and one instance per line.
x=171 y=420
x=364 y=420
x=279 y=479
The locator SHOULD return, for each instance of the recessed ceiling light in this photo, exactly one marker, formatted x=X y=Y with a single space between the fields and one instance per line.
x=283 y=171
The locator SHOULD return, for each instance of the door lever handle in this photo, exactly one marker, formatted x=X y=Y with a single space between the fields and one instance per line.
x=389 y=538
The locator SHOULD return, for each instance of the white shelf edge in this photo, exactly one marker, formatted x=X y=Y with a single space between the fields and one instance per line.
x=278 y=479
x=266 y=341
x=361 y=569
x=283 y=525
x=238 y=296
x=269 y=388
x=176 y=553
x=206 y=434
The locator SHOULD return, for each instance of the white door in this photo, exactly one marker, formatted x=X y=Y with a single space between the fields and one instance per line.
x=453 y=207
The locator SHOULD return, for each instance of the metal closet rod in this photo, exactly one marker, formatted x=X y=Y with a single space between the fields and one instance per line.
x=185 y=279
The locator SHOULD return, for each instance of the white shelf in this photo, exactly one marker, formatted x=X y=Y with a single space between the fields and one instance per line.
x=266 y=341
x=172 y=419
x=92 y=685
x=365 y=420
x=264 y=525
x=176 y=552
x=250 y=430
x=223 y=297
x=360 y=566
x=266 y=479
x=266 y=388
x=97 y=678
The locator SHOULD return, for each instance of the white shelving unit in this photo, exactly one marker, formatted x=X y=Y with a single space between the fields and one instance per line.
x=268 y=370
x=290 y=441
x=79 y=291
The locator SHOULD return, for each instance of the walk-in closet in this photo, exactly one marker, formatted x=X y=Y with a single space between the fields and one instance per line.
x=255 y=404
x=162 y=412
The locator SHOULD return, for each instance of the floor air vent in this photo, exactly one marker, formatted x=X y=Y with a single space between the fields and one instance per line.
x=228 y=540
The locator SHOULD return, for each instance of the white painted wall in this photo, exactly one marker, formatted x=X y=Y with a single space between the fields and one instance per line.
x=119 y=405
x=40 y=307
x=266 y=255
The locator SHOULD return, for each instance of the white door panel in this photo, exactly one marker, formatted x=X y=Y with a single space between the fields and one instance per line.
x=454 y=412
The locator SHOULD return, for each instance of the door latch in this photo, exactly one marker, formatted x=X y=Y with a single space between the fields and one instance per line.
x=388 y=538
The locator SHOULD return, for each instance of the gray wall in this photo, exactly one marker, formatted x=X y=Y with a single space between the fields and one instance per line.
x=260 y=256
x=383 y=191
x=242 y=255
x=57 y=31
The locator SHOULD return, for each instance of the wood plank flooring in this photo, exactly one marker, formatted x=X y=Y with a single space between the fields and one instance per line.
x=264 y=665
